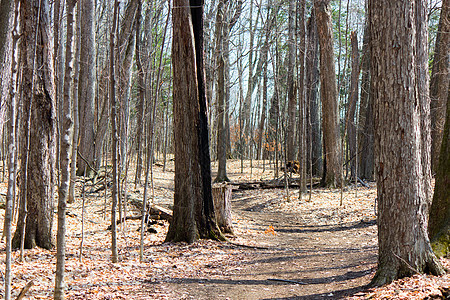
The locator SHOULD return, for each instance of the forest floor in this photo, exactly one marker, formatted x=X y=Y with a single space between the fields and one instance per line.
x=283 y=248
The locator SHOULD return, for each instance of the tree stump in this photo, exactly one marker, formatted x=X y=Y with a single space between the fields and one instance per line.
x=222 y=207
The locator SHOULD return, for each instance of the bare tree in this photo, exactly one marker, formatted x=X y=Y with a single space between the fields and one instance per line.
x=328 y=93
x=10 y=196
x=193 y=214
x=39 y=123
x=351 y=105
x=86 y=144
x=65 y=158
x=115 y=137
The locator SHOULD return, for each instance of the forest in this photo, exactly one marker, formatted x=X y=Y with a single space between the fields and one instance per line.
x=248 y=149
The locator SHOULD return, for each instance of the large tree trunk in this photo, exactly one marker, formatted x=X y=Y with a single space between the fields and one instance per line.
x=86 y=145
x=314 y=136
x=328 y=92
x=439 y=227
x=398 y=36
x=193 y=214
x=440 y=78
x=365 y=134
x=37 y=195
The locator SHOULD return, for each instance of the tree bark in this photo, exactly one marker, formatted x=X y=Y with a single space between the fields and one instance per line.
x=115 y=137
x=222 y=207
x=141 y=101
x=365 y=134
x=312 y=99
x=352 y=103
x=86 y=144
x=328 y=92
x=439 y=226
x=37 y=91
x=6 y=9
x=76 y=124
x=65 y=158
x=221 y=93
x=440 y=78
x=401 y=101
x=291 y=86
x=12 y=142
x=193 y=214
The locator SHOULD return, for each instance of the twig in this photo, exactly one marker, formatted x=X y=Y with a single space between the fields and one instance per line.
x=87 y=162
x=249 y=246
x=406 y=263
x=25 y=290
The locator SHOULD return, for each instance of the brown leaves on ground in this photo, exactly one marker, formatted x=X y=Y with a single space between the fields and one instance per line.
x=214 y=270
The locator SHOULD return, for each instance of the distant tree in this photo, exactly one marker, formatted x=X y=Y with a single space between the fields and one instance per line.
x=439 y=227
x=401 y=106
x=193 y=214
x=38 y=150
x=328 y=93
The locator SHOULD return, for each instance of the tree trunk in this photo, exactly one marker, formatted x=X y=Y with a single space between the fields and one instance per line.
x=312 y=84
x=12 y=142
x=86 y=144
x=400 y=102
x=365 y=134
x=193 y=214
x=440 y=78
x=221 y=94
x=328 y=92
x=141 y=101
x=65 y=157
x=125 y=53
x=37 y=95
x=439 y=227
x=76 y=124
x=291 y=86
x=115 y=137
x=351 y=107
x=6 y=9
x=222 y=207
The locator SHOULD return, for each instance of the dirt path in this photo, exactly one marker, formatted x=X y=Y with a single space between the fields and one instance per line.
x=295 y=249
x=296 y=260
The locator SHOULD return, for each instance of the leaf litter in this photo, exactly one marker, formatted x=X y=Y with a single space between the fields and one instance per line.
x=283 y=247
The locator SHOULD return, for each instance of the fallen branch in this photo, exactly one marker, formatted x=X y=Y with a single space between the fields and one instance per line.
x=25 y=290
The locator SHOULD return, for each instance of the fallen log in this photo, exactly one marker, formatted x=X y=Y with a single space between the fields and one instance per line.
x=269 y=184
x=154 y=211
